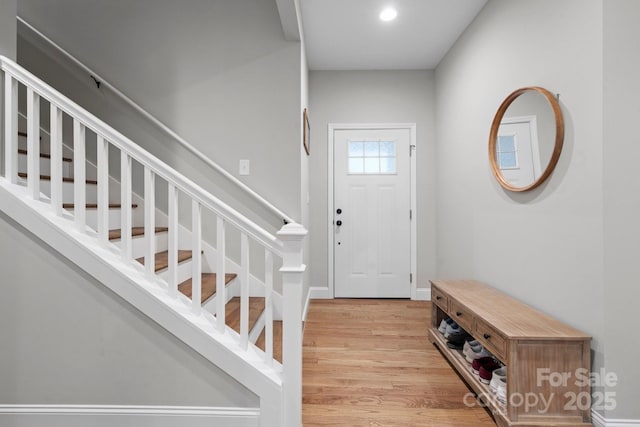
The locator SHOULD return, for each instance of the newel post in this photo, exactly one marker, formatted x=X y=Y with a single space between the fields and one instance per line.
x=292 y=236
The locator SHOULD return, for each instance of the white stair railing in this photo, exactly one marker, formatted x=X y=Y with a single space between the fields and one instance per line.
x=286 y=246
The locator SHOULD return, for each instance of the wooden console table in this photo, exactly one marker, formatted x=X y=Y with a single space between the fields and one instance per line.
x=548 y=362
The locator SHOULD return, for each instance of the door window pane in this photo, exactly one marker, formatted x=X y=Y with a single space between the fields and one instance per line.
x=356 y=165
x=372 y=157
x=388 y=165
x=371 y=165
x=371 y=149
x=507 y=143
x=356 y=149
x=387 y=149
x=507 y=152
x=507 y=160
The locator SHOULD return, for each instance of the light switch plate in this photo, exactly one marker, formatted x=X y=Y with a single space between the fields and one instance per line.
x=245 y=167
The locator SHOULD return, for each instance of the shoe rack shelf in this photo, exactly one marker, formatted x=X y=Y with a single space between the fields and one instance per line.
x=456 y=358
x=537 y=349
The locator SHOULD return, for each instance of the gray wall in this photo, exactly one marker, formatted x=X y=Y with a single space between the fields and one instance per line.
x=305 y=213
x=8 y=46
x=219 y=73
x=621 y=149
x=569 y=247
x=66 y=339
x=373 y=97
x=8 y=28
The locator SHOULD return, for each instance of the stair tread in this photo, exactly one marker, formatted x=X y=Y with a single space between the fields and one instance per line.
x=95 y=206
x=162 y=259
x=46 y=156
x=208 y=285
x=277 y=340
x=116 y=234
x=232 y=316
x=64 y=179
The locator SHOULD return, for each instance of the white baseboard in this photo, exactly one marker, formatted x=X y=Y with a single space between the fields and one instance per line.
x=305 y=309
x=139 y=416
x=320 y=292
x=315 y=292
x=423 y=294
x=600 y=421
x=597 y=420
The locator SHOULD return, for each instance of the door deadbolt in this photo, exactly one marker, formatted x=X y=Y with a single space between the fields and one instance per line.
x=339 y=211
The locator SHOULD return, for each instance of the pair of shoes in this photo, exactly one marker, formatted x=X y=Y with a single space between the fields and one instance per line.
x=498 y=375
x=488 y=363
x=470 y=344
x=458 y=337
x=443 y=325
x=486 y=371
x=476 y=352
x=453 y=328
x=454 y=345
x=457 y=340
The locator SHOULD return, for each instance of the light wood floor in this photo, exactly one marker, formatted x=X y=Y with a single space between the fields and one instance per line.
x=369 y=363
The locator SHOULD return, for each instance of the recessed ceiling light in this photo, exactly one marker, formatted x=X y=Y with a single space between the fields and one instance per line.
x=388 y=14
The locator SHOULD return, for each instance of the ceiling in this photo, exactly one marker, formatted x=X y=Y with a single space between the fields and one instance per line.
x=348 y=35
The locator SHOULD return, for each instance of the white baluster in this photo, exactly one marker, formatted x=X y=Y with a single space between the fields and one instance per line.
x=125 y=209
x=150 y=221
x=268 y=306
x=244 y=291
x=33 y=144
x=196 y=261
x=292 y=236
x=10 y=128
x=103 y=189
x=221 y=294
x=173 y=241
x=79 y=175
x=55 y=138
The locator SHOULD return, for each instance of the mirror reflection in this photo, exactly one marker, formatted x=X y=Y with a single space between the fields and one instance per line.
x=525 y=135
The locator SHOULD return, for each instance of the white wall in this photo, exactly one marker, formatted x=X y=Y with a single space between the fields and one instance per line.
x=8 y=47
x=67 y=339
x=373 y=97
x=544 y=247
x=621 y=146
x=217 y=72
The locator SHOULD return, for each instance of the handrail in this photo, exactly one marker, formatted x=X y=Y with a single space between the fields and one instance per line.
x=193 y=150
x=143 y=157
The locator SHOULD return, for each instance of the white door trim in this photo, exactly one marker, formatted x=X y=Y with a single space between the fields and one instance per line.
x=331 y=128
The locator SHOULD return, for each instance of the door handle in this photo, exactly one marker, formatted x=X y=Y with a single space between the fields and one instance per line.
x=338 y=223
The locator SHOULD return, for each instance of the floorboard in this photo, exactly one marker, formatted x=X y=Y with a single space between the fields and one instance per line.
x=369 y=363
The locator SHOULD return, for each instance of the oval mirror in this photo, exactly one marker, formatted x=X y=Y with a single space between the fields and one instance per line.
x=526 y=138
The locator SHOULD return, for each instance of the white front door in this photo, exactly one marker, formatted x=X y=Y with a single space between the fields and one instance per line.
x=371 y=218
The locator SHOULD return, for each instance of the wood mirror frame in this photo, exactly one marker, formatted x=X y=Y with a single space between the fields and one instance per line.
x=557 y=149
